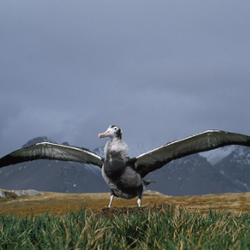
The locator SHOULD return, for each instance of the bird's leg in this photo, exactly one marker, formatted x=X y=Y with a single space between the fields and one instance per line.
x=139 y=202
x=111 y=199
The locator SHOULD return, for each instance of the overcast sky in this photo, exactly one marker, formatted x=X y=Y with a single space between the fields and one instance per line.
x=161 y=70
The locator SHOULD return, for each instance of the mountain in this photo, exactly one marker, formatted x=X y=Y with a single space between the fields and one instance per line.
x=222 y=170
x=236 y=167
x=216 y=155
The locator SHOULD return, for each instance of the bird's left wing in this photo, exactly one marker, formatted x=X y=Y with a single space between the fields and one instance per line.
x=205 y=141
x=52 y=151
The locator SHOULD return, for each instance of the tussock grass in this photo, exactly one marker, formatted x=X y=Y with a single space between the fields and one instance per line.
x=158 y=227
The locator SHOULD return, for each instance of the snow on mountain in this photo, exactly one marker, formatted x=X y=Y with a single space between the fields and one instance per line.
x=241 y=156
x=216 y=155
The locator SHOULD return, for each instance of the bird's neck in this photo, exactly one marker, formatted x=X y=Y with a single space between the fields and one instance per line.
x=116 y=145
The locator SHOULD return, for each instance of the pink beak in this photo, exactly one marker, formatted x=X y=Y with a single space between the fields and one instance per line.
x=103 y=135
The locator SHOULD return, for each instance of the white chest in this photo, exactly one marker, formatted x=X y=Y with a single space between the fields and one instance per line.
x=117 y=146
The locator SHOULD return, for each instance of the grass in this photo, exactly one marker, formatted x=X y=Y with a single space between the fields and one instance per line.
x=83 y=221
x=161 y=227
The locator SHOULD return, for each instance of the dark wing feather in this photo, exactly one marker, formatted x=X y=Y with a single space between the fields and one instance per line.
x=47 y=150
x=205 y=141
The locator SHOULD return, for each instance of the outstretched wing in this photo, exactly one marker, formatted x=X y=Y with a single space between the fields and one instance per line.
x=205 y=141
x=47 y=150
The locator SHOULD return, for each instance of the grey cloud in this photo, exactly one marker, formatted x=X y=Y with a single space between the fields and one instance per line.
x=160 y=70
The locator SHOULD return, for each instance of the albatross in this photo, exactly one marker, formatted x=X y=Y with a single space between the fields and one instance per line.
x=123 y=174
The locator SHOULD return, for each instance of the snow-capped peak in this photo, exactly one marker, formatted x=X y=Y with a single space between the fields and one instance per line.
x=216 y=155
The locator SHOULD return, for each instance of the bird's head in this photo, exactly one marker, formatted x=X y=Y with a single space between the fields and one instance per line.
x=112 y=132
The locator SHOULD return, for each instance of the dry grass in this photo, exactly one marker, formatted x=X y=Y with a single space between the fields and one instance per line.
x=59 y=203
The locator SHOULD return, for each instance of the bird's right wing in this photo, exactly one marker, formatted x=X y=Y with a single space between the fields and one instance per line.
x=52 y=151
